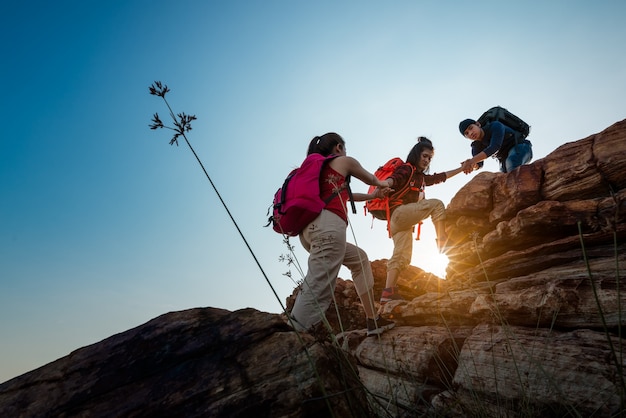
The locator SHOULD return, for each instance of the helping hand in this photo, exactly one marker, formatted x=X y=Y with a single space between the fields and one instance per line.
x=381 y=192
x=468 y=167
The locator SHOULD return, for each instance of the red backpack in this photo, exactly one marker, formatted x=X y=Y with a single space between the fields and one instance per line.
x=297 y=203
x=381 y=208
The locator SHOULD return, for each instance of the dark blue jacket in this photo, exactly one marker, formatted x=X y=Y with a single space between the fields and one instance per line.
x=498 y=140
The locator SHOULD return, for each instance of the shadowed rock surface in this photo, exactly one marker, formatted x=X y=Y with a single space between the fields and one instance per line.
x=195 y=363
x=528 y=323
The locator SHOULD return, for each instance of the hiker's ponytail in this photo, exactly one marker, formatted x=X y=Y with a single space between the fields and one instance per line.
x=416 y=152
x=324 y=144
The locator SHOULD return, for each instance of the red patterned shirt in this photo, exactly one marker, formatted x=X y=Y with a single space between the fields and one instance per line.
x=333 y=182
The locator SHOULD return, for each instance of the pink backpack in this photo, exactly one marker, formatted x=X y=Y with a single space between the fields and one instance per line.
x=297 y=203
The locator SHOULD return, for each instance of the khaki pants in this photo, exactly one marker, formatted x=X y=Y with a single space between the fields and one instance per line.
x=325 y=240
x=403 y=219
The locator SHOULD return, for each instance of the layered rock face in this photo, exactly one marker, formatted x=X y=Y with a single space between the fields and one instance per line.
x=528 y=323
x=532 y=308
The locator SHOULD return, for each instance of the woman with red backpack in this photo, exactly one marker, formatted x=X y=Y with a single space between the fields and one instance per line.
x=413 y=209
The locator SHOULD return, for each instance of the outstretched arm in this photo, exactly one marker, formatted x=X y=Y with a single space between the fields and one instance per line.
x=472 y=164
x=349 y=166
x=454 y=172
x=495 y=142
x=378 y=193
x=354 y=168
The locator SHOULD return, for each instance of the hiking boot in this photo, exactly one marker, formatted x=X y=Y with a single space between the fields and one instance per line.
x=378 y=326
x=389 y=294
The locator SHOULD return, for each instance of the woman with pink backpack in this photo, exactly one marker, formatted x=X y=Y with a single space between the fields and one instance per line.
x=325 y=240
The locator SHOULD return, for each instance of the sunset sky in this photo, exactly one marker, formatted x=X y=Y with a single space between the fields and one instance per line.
x=104 y=225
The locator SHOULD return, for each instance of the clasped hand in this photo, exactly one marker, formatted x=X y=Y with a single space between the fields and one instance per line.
x=381 y=192
x=468 y=167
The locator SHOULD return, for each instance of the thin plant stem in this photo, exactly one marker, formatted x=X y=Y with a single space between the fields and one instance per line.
x=620 y=368
x=183 y=124
x=616 y=359
x=597 y=297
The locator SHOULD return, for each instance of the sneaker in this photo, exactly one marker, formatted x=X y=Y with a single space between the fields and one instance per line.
x=378 y=326
x=389 y=294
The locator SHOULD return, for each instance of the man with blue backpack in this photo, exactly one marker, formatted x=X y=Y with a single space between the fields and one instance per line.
x=497 y=133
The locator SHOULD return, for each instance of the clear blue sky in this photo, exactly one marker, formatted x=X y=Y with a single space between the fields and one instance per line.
x=104 y=226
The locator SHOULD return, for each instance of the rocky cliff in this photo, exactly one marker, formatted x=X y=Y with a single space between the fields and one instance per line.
x=528 y=323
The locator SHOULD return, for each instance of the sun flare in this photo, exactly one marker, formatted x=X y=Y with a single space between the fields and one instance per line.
x=437 y=265
x=426 y=254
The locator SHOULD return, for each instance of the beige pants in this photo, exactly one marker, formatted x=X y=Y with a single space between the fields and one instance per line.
x=325 y=240
x=403 y=219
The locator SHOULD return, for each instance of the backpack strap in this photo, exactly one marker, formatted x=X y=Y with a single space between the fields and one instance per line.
x=400 y=195
x=397 y=197
x=388 y=213
x=350 y=194
x=336 y=193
